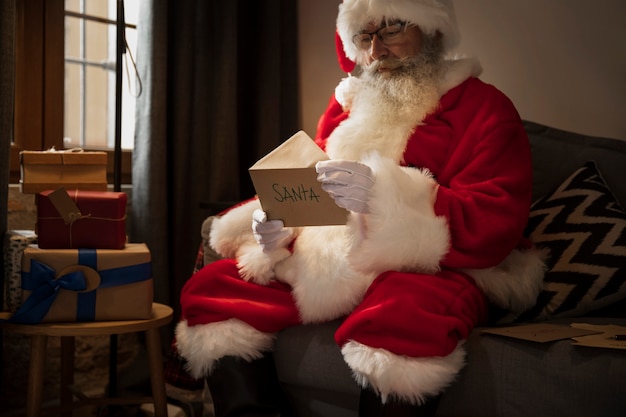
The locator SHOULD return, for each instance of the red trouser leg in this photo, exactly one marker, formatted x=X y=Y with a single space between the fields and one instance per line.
x=217 y=293
x=417 y=315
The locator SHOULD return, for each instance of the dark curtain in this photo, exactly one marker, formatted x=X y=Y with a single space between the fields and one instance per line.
x=219 y=92
x=7 y=72
x=7 y=62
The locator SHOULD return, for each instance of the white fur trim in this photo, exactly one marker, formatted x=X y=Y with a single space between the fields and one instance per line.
x=514 y=284
x=323 y=284
x=258 y=266
x=233 y=229
x=369 y=129
x=456 y=71
x=402 y=231
x=409 y=379
x=429 y=15
x=204 y=344
x=346 y=90
x=231 y=237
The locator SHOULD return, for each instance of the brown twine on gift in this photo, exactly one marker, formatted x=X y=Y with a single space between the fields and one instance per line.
x=84 y=216
x=77 y=216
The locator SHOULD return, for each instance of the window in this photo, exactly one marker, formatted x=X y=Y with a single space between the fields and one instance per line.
x=65 y=77
x=90 y=54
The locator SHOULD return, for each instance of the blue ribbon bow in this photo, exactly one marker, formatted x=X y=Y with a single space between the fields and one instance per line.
x=46 y=288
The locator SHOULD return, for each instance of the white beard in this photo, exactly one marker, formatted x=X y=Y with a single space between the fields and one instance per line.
x=385 y=109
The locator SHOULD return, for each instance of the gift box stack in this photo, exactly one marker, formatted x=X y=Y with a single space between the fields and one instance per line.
x=77 y=264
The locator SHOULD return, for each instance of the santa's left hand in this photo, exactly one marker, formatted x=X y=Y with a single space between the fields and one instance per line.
x=347 y=182
x=270 y=234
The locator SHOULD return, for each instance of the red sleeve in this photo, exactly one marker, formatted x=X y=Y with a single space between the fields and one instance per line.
x=487 y=204
x=486 y=184
x=329 y=120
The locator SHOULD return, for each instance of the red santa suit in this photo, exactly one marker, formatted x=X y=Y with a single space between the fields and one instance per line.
x=412 y=276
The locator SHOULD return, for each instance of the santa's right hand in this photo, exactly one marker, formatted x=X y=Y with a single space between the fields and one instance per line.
x=270 y=234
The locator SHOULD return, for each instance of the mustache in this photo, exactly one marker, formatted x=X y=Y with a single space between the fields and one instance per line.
x=387 y=64
x=399 y=65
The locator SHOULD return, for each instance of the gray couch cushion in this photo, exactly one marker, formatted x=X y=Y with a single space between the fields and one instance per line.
x=504 y=377
x=313 y=372
x=515 y=378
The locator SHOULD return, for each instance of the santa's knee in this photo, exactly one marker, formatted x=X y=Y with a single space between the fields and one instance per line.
x=203 y=345
x=412 y=380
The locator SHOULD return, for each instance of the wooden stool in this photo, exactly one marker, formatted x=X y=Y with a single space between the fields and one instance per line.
x=161 y=315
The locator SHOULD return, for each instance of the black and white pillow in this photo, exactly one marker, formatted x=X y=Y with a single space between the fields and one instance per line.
x=584 y=228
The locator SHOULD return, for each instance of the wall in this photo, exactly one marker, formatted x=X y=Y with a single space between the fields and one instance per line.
x=562 y=62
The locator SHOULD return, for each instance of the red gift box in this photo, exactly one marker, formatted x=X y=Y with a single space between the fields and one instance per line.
x=79 y=219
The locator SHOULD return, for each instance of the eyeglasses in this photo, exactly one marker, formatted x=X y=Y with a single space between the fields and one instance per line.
x=388 y=35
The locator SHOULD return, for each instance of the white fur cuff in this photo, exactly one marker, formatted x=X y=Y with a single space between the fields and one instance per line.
x=402 y=231
x=233 y=229
x=258 y=266
x=408 y=379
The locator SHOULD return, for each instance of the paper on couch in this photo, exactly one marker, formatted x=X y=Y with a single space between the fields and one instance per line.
x=286 y=184
x=605 y=336
x=538 y=332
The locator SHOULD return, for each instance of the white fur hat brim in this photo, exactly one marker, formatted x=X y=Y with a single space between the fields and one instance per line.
x=430 y=15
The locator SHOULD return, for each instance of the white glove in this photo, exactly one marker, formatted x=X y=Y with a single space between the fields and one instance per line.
x=347 y=182
x=270 y=234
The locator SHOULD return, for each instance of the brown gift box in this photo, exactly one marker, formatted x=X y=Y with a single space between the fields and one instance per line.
x=76 y=169
x=118 y=284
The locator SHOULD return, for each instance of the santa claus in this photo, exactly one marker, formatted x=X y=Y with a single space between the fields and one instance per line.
x=434 y=168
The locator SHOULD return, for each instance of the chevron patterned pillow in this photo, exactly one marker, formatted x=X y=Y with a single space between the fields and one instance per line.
x=584 y=228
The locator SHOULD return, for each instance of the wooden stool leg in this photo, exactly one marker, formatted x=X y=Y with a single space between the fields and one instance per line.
x=34 y=392
x=67 y=372
x=153 y=344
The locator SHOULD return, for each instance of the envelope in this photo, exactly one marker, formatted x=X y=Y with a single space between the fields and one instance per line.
x=286 y=184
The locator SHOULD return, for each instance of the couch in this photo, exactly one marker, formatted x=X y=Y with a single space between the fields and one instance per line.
x=506 y=377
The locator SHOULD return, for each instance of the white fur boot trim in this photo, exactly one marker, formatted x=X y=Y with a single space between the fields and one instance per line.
x=405 y=378
x=203 y=344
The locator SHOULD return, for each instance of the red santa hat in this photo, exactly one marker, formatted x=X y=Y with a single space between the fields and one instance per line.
x=430 y=15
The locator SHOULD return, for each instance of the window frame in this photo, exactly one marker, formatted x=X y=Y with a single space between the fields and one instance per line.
x=39 y=84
